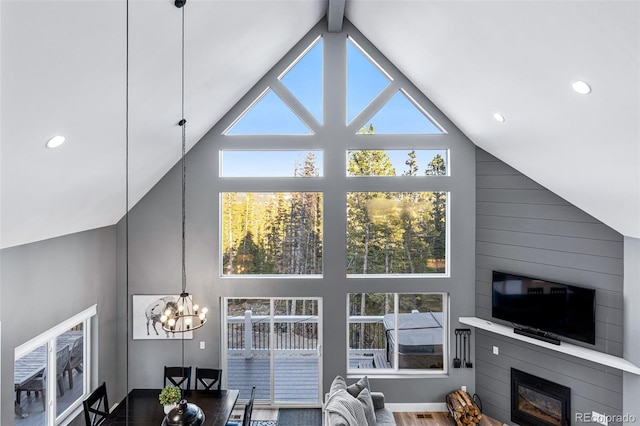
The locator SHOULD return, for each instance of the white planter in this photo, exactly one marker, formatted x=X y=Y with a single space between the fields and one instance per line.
x=169 y=407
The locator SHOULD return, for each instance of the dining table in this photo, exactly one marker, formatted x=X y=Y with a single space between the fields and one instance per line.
x=142 y=407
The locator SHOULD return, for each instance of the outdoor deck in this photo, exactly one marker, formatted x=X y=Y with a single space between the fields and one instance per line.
x=296 y=378
x=32 y=404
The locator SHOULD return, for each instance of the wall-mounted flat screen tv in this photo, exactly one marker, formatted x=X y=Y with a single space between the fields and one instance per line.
x=562 y=309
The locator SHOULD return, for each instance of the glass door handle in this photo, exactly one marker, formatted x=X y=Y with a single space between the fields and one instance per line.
x=319 y=347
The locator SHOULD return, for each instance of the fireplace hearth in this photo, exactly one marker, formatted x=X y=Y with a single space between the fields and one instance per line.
x=538 y=402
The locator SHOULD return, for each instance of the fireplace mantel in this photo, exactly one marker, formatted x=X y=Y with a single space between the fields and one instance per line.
x=564 y=347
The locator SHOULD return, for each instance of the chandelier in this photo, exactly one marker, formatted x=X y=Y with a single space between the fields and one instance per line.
x=183 y=315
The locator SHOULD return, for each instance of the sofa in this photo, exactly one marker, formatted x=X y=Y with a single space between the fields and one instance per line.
x=355 y=405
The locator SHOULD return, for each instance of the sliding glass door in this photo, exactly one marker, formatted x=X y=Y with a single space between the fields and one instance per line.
x=275 y=345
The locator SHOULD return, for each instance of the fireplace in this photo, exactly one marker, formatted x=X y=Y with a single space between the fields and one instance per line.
x=539 y=402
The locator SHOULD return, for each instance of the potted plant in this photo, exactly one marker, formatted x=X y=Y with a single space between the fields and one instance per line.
x=169 y=397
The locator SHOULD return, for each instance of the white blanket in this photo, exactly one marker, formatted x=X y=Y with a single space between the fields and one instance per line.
x=346 y=406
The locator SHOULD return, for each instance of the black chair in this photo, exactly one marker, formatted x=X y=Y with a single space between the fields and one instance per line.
x=177 y=376
x=93 y=414
x=208 y=377
x=248 y=409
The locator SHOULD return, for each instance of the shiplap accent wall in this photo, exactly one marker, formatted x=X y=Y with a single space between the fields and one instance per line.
x=522 y=227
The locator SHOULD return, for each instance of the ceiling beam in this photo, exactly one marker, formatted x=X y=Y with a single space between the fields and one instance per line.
x=335 y=15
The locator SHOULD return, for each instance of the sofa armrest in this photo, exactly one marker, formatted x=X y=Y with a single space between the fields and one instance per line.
x=378 y=400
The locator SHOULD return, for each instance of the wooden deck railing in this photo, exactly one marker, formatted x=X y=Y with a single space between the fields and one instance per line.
x=297 y=333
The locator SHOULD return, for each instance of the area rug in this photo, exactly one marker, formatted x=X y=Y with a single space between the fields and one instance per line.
x=300 y=417
x=264 y=423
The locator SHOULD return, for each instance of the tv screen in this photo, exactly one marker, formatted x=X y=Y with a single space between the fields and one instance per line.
x=562 y=309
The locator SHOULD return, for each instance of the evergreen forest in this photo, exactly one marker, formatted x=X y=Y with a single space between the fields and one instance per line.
x=387 y=232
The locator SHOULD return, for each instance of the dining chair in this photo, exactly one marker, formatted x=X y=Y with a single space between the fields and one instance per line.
x=93 y=414
x=177 y=376
x=75 y=359
x=208 y=377
x=248 y=409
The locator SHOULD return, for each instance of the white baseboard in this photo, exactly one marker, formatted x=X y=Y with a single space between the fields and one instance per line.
x=417 y=407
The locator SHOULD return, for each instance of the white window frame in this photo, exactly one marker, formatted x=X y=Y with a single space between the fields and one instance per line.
x=49 y=338
x=335 y=137
x=397 y=372
x=224 y=346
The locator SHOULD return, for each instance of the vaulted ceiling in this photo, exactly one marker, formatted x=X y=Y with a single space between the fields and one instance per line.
x=63 y=67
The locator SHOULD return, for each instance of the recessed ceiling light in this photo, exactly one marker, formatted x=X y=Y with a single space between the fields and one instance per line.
x=581 y=87
x=499 y=117
x=55 y=141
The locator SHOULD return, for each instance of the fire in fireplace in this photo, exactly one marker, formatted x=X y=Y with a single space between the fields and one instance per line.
x=538 y=402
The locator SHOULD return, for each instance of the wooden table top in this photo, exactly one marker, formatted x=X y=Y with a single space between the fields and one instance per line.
x=143 y=407
x=34 y=363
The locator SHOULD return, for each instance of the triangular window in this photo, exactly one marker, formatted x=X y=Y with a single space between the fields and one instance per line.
x=269 y=115
x=365 y=80
x=304 y=79
x=401 y=115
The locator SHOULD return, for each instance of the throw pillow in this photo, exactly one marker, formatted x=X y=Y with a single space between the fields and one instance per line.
x=367 y=404
x=338 y=383
x=357 y=387
x=342 y=404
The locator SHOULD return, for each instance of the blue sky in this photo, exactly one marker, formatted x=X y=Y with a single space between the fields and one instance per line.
x=270 y=115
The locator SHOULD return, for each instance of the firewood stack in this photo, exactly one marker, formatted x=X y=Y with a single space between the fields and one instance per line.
x=462 y=408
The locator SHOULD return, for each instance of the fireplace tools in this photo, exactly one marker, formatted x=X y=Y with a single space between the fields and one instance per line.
x=456 y=360
x=463 y=348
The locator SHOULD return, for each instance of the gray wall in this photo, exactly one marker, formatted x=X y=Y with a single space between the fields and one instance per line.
x=55 y=279
x=523 y=228
x=154 y=246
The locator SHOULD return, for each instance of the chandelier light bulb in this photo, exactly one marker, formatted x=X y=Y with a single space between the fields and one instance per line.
x=163 y=319
x=196 y=308
x=181 y=309
x=172 y=322
x=168 y=312
x=204 y=310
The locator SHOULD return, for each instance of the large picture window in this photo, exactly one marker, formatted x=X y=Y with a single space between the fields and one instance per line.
x=396 y=232
x=265 y=233
x=396 y=333
x=335 y=175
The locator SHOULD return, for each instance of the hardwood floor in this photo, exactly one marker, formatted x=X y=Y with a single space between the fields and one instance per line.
x=423 y=419
x=440 y=418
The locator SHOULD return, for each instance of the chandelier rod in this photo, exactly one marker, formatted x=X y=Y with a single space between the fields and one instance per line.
x=126 y=214
x=180 y=318
x=183 y=124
